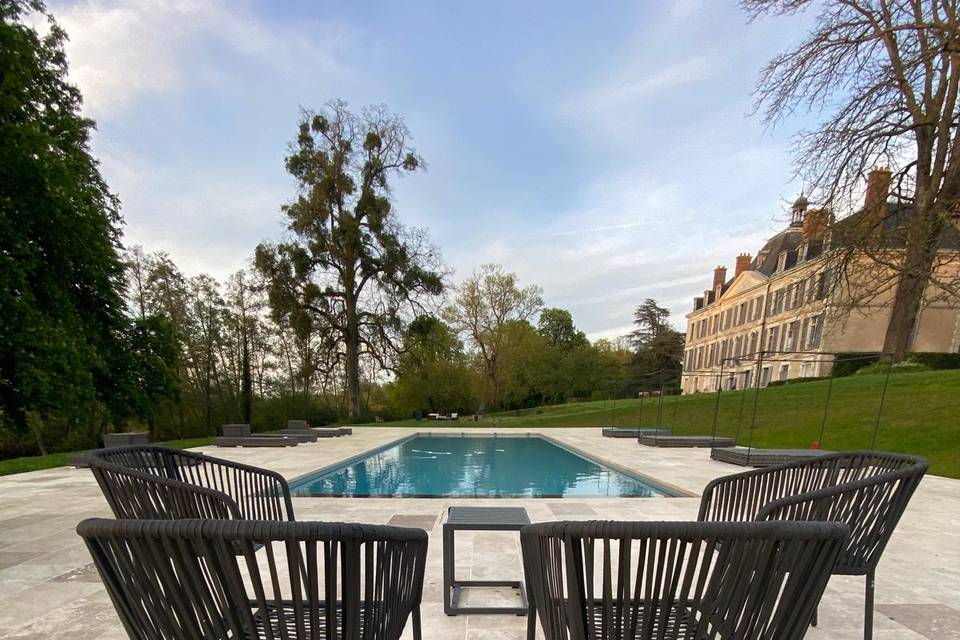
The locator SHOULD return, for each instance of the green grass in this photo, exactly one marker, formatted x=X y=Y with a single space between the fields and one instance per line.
x=36 y=463
x=919 y=416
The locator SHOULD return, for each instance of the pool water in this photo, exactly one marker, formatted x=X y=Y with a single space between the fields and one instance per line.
x=473 y=466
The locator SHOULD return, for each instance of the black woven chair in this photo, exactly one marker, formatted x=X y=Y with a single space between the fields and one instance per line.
x=669 y=580
x=159 y=483
x=867 y=490
x=170 y=580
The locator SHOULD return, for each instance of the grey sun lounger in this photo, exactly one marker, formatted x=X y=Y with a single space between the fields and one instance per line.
x=686 y=441
x=747 y=457
x=627 y=432
x=260 y=440
x=300 y=435
x=327 y=432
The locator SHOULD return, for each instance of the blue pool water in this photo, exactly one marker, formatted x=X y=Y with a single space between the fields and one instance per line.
x=472 y=466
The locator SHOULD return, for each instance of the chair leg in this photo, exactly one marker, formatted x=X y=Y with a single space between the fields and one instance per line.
x=416 y=623
x=868 y=608
x=531 y=622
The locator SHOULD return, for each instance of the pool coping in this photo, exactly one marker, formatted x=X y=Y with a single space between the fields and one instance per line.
x=668 y=489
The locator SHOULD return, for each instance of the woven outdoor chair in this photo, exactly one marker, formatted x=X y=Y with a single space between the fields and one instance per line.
x=176 y=579
x=867 y=490
x=158 y=483
x=671 y=580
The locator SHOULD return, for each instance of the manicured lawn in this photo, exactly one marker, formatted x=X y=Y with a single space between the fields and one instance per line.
x=35 y=463
x=921 y=415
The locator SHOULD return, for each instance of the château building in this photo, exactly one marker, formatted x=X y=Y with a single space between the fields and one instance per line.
x=783 y=315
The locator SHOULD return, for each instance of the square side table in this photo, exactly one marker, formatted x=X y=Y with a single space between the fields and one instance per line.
x=479 y=519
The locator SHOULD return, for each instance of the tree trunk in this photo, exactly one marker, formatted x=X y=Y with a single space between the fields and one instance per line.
x=246 y=384
x=352 y=365
x=919 y=256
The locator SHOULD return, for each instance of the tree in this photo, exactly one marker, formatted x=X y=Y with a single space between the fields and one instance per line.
x=484 y=304
x=61 y=277
x=658 y=348
x=557 y=328
x=650 y=320
x=352 y=269
x=885 y=74
x=432 y=372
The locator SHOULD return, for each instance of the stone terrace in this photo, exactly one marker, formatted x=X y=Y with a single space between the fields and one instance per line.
x=51 y=590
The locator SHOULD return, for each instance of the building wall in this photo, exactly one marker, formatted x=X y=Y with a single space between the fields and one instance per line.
x=818 y=324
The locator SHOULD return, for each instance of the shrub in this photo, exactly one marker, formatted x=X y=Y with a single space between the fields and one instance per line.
x=907 y=366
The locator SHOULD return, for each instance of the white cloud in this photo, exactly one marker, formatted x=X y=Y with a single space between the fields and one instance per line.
x=121 y=52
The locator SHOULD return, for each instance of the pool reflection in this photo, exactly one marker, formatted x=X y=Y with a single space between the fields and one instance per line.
x=474 y=466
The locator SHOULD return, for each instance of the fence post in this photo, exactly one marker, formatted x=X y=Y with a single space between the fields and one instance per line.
x=883 y=396
x=716 y=406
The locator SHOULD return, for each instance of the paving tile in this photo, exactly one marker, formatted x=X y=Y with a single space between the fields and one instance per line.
x=934 y=621
x=11 y=558
x=571 y=509
x=419 y=521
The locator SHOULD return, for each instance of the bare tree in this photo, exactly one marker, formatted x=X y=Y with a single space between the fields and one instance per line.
x=884 y=74
x=485 y=303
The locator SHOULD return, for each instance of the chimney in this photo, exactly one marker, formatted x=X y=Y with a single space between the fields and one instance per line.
x=878 y=187
x=719 y=277
x=815 y=224
x=743 y=263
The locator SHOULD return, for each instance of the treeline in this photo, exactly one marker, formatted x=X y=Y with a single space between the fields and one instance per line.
x=350 y=317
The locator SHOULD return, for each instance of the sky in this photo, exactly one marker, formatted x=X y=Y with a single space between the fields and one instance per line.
x=604 y=151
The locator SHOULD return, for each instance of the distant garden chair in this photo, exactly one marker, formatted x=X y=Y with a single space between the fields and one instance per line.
x=867 y=490
x=203 y=578
x=158 y=483
x=672 y=580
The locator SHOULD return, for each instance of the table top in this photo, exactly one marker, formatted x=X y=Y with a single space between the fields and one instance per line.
x=488 y=517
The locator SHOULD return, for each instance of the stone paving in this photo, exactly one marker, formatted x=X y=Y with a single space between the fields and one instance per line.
x=51 y=591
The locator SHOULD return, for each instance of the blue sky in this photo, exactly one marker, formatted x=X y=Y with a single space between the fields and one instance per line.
x=604 y=151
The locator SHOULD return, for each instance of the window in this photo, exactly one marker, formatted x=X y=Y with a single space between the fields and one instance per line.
x=803 y=334
x=798 y=293
x=794 y=334
x=816 y=331
x=753 y=342
x=765 y=377
x=758 y=308
x=806 y=369
x=772 y=339
x=781 y=261
x=788 y=297
x=749 y=312
x=747 y=378
x=778 y=297
x=784 y=372
x=802 y=251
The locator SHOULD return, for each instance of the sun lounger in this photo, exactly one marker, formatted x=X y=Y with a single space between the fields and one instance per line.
x=686 y=441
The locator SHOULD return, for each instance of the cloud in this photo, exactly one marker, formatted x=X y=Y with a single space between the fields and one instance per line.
x=122 y=52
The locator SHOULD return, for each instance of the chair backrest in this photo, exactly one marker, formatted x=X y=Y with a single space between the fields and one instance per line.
x=204 y=579
x=870 y=494
x=665 y=580
x=150 y=482
x=741 y=496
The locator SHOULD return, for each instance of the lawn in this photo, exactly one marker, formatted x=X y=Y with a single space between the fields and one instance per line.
x=35 y=463
x=919 y=415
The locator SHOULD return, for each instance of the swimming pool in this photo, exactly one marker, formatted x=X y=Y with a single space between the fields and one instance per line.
x=433 y=465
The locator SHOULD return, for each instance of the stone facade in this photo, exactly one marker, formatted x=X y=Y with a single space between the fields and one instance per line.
x=783 y=314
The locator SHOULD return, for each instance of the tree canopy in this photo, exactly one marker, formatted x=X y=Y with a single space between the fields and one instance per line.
x=352 y=270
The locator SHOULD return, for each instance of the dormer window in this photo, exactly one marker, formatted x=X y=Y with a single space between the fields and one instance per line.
x=781 y=261
x=802 y=251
